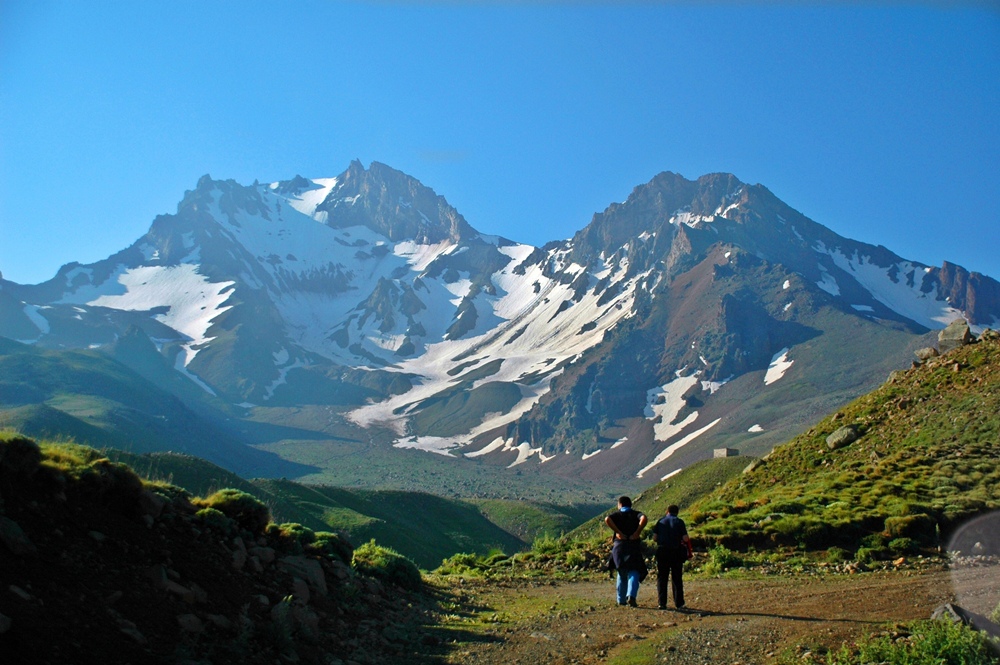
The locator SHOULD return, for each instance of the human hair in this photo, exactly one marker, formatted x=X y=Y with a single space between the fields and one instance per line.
x=673 y=509
x=624 y=502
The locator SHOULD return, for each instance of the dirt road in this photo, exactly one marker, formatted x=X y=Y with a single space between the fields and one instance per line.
x=734 y=621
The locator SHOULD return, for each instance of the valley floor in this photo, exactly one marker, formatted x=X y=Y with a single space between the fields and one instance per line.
x=734 y=621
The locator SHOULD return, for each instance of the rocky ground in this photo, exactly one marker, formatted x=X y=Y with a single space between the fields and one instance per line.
x=91 y=576
x=735 y=621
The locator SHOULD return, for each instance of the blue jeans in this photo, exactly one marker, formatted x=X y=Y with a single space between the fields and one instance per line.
x=631 y=578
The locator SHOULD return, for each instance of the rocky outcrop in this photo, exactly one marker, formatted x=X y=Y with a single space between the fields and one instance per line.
x=955 y=335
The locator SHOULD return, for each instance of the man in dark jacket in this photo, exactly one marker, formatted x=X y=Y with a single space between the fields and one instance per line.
x=626 y=552
x=672 y=548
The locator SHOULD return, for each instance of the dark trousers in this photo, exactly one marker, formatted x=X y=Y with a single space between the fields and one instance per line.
x=670 y=563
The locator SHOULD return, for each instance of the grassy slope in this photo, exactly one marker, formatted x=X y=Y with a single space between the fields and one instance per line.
x=425 y=527
x=687 y=486
x=928 y=457
x=421 y=526
x=97 y=401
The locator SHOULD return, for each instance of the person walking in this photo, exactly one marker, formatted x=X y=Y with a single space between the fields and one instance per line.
x=672 y=549
x=626 y=551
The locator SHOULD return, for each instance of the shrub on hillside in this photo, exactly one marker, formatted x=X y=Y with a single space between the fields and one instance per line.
x=215 y=519
x=291 y=536
x=930 y=643
x=245 y=509
x=721 y=559
x=386 y=564
x=332 y=546
x=920 y=527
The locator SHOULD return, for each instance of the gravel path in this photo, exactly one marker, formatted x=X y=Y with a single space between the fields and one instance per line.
x=729 y=621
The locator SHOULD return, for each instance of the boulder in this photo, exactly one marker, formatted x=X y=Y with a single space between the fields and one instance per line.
x=190 y=623
x=956 y=614
x=14 y=539
x=844 y=436
x=308 y=569
x=151 y=504
x=955 y=335
x=990 y=336
x=926 y=353
x=266 y=555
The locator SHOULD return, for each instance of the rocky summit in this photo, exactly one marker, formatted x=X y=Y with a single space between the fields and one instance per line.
x=364 y=311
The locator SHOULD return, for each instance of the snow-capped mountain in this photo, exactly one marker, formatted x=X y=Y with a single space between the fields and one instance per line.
x=660 y=331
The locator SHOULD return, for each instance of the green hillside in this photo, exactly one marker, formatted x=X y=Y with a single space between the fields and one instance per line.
x=926 y=458
x=424 y=527
x=94 y=400
x=682 y=489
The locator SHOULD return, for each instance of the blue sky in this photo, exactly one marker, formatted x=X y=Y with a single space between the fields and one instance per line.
x=878 y=120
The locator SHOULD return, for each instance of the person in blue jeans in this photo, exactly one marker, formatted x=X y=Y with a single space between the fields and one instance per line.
x=626 y=551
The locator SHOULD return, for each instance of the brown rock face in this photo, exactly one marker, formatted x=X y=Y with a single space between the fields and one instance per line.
x=975 y=294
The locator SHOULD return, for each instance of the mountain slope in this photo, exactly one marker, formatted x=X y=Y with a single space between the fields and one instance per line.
x=694 y=315
x=925 y=459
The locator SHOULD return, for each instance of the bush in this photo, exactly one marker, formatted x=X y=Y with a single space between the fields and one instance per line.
x=837 y=555
x=870 y=554
x=902 y=545
x=932 y=643
x=292 y=536
x=245 y=509
x=919 y=527
x=721 y=559
x=387 y=565
x=546 y=544
x=332 y=546
x=215 y=519
x=462 y=564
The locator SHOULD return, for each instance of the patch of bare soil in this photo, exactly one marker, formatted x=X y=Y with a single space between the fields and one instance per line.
x=735 y=621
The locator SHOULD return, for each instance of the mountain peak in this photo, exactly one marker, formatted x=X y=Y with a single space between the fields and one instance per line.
x=393 y=204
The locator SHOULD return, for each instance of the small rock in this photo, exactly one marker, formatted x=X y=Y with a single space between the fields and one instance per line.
x=113 y=598
x=5 y=623
x=134 y=633
x=219 y=621
x=255 y=565
x=190 y=623
x=14 y=539
x=926 y=353
x=97 y=536
x=20 y=593
x=263 y=600
x=239 y=559
x=179 y=589
x=265 y=554
x=300 y=590
x=151 y=504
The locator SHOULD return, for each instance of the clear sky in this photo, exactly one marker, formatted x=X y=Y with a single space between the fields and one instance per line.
x=878 y=120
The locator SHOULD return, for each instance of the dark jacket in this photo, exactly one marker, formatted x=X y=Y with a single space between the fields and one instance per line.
x=626 y=555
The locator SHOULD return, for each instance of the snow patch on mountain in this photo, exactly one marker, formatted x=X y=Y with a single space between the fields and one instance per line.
x=673 y=448
x=664 y=403
x=39 y=321
x=755 y=428
x=779 y=365
x=828 y=282
x=899 y=287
